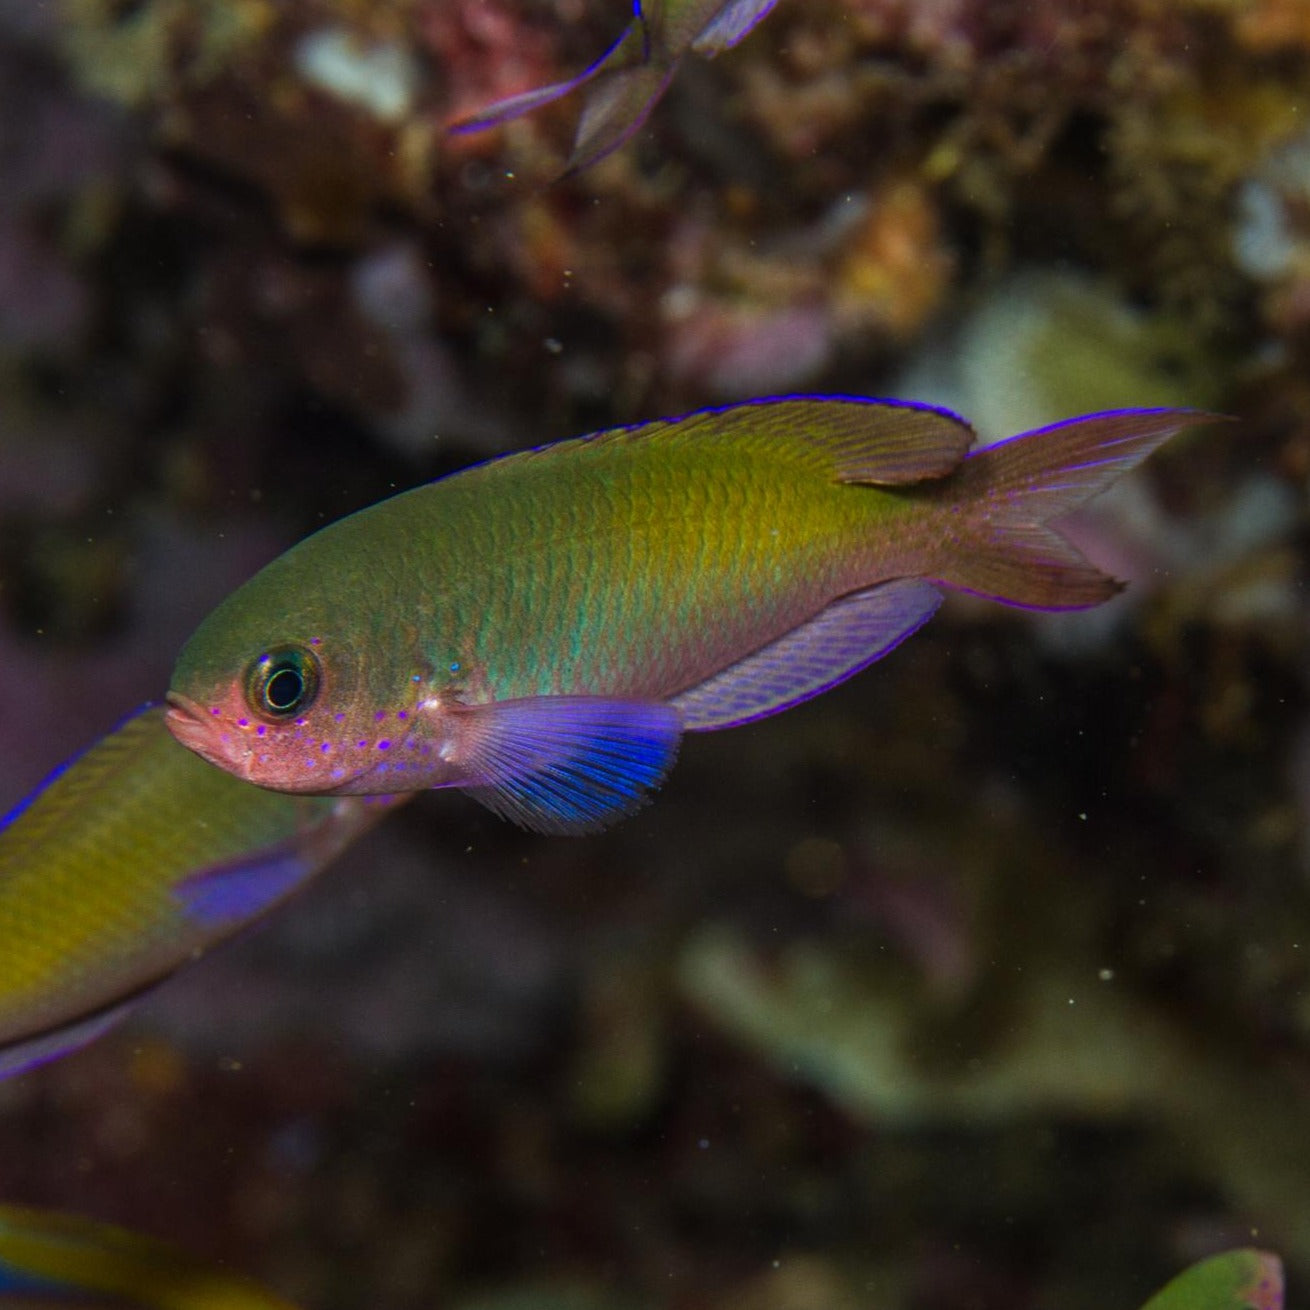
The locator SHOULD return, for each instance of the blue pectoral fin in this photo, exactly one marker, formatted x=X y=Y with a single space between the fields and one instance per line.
x=29 y=1052
x=566 y=764
x=837 y=643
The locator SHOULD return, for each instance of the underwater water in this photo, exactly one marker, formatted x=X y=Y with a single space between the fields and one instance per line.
x=980 y=981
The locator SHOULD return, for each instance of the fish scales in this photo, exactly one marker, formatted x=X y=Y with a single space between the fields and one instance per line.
x=540 y=630
x=607 y=577
x=106 y=873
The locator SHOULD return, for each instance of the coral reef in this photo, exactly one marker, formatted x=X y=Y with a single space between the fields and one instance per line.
x=981 y=982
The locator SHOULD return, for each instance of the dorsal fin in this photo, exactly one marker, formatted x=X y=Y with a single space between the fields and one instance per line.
x=844 y=438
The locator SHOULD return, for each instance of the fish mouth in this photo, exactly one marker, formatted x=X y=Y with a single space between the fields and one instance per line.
x=186 y=721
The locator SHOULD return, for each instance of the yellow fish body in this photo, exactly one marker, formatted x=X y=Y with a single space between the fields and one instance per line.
x=540 y=630
x=131 y=860
x=54 y=1260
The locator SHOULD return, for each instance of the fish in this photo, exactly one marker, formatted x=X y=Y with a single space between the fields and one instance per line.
x=130 y=861
x=627 y=81
x=1244 y=1279
x=540 y=630
x=50 y=1259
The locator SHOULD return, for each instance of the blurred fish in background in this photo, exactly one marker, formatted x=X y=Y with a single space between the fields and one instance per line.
x=627 y=81
x=131 y=861
x=62 y=1261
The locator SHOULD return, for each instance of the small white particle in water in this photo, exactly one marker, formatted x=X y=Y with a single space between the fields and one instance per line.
x=1082 y=814
x=1106 y=975
x=554 y=345
x=704 y=1143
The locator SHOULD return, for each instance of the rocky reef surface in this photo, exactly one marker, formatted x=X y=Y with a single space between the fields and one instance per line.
x=981 y=982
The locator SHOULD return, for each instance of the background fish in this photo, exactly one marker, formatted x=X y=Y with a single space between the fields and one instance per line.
x=631 y=76
x=541 y=629
x=128 y=862
x=1235 y=1280
x=51 y=1259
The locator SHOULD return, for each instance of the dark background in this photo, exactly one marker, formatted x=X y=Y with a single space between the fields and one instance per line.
x=980 y=982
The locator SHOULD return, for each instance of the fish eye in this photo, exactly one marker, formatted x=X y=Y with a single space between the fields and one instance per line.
x=282 y=682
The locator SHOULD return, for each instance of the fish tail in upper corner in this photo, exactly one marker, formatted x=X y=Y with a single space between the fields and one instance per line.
x=1000 y=544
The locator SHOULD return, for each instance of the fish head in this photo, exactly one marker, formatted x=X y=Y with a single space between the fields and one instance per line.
x=268 y=722
x=277 y=687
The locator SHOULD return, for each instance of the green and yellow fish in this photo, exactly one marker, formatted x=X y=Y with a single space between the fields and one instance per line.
x=630 y=77
x=540 y=630
x=54 y=1260
x=129 y=862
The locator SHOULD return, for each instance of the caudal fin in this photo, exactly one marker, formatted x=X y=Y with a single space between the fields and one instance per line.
x=1005 y=495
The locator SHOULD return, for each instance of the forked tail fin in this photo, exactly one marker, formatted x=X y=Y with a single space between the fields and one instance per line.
x=1001 y=503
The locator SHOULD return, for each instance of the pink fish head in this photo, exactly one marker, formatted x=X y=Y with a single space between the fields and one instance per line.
x=286 y=690
x=302 y=717
x=274 y=723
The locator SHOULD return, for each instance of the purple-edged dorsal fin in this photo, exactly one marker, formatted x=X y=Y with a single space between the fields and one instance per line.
x=846 y=438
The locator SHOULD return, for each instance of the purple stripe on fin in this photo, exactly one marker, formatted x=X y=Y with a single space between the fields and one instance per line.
x=59 y=770
x=837 y=643
x=31 y=1052
x=616 y=108
x=732 y=24
x=525 y=102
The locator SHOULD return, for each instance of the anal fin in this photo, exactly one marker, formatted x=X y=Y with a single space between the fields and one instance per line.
x=838 y=642
x=30 y=1052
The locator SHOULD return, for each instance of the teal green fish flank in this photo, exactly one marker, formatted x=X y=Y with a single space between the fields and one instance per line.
x=632 y=568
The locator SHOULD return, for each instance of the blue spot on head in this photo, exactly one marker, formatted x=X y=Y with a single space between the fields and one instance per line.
x=454 y=668
x=384 y=745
